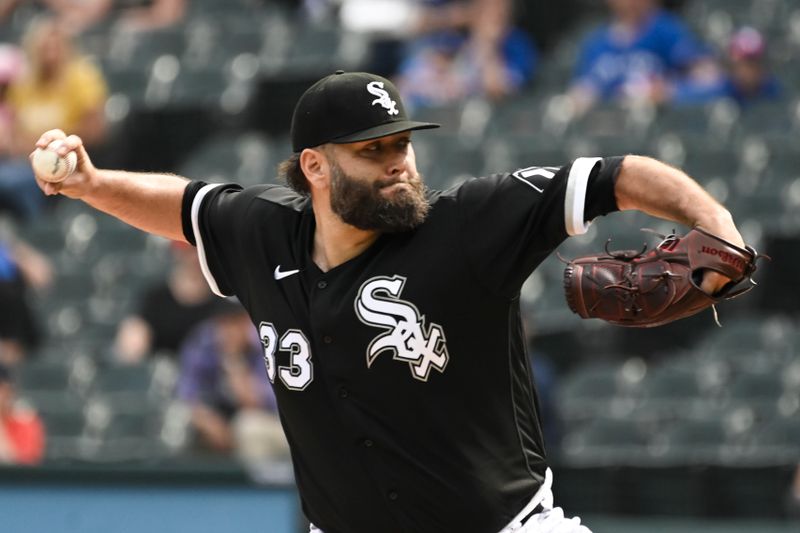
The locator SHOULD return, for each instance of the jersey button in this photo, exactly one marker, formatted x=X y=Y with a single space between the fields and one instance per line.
x=393 y=495
x=327 y=339
x=368 y=443
x=343 y=393
x=322 y=284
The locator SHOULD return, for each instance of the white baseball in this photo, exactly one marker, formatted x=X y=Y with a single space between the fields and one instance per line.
x=52 y=167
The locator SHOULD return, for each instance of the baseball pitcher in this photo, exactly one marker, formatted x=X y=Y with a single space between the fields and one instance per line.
x=389 y=313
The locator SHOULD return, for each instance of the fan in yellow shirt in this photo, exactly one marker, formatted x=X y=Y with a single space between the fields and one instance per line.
x=61 y=89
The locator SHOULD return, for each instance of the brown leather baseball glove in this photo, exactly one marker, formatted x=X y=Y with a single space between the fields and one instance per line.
x=645 y=289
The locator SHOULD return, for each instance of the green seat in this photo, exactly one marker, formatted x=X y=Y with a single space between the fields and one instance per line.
x=744 y=334
x=314 y=51
x=616 y=125
x=761 y=391
x=444 y=160
x=667 y=392
x=64 y=421
x=132 y=424
x=606 y=442
x=248 y=158
x=198 y=88
x=704 y=162
x=688 y=442
x=776 y=442
x=519 y=115
x=588 y=391
x=62 y=413
x=124 y=383
x=768 y=120
x=129 y=82
x=48 y=376
x=711 y=124
x=707 y=16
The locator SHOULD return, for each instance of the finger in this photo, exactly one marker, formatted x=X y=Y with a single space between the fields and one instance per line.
x=47 y=187
x=50 y=136
x=72 y=142
x=713 y=282
x=52 y=189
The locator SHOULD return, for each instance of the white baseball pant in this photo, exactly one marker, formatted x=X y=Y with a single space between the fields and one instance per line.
x=549 y=520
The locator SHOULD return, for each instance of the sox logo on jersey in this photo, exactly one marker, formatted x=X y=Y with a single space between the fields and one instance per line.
x=376 y=88
x=379 y=304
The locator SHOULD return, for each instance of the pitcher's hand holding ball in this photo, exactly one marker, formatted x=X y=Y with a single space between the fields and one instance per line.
x=61 y=181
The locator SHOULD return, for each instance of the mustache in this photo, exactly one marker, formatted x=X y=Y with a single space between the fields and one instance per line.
x=382 y=184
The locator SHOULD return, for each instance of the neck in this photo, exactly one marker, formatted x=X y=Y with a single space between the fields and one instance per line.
x=336 y=242
x=48 y=74
x=634 y=19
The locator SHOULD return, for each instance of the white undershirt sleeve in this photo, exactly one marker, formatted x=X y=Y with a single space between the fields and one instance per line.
x=575 y=198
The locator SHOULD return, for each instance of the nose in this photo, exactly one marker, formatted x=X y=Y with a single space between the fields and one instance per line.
x=398 y=163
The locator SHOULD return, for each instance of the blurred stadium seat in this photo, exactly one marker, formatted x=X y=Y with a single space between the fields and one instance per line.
x=599 y=389
x=606 y=442
x=669 y=392
x=689 y=442
x=247 y=158
x=446 y=160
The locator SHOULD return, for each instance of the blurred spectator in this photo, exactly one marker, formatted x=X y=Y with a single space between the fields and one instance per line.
x=168 y=311
x=747 y=79
x=22 y=433
x=79 y=15
x=11 y=66
x=21 y=268
x=224 y=380
x=639 y=55
x=19 y=194
x=61 y=88
x=153 y=15
x=463 y=49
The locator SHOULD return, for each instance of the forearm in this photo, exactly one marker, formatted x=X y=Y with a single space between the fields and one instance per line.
x=214 y=429
x=489 y=24
x=660 y=190
x=149 y=202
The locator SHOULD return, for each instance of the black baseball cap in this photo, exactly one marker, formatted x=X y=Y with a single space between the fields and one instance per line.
x=348 y=107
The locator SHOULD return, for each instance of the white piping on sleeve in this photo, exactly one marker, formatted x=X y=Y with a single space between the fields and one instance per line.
x=575 y=199
x=201 y=252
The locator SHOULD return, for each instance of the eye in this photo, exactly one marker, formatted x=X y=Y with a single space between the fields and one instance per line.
x=372 y=148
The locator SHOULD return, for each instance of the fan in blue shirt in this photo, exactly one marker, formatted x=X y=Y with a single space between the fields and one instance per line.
x=639 y=54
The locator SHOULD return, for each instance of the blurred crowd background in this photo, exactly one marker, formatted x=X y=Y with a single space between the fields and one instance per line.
x=113 y=350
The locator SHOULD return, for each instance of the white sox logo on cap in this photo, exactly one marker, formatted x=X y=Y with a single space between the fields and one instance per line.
x=376 y=88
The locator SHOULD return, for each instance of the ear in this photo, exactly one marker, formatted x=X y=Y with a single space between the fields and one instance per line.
x=316 y=168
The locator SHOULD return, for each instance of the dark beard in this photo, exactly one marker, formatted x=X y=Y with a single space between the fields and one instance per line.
x=361 y=204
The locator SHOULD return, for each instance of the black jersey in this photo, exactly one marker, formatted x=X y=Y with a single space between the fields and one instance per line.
x=401 y=375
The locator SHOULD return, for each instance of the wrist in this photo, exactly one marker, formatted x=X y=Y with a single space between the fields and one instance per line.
x=93 y=182
x=716 y=217
x=720 y=223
